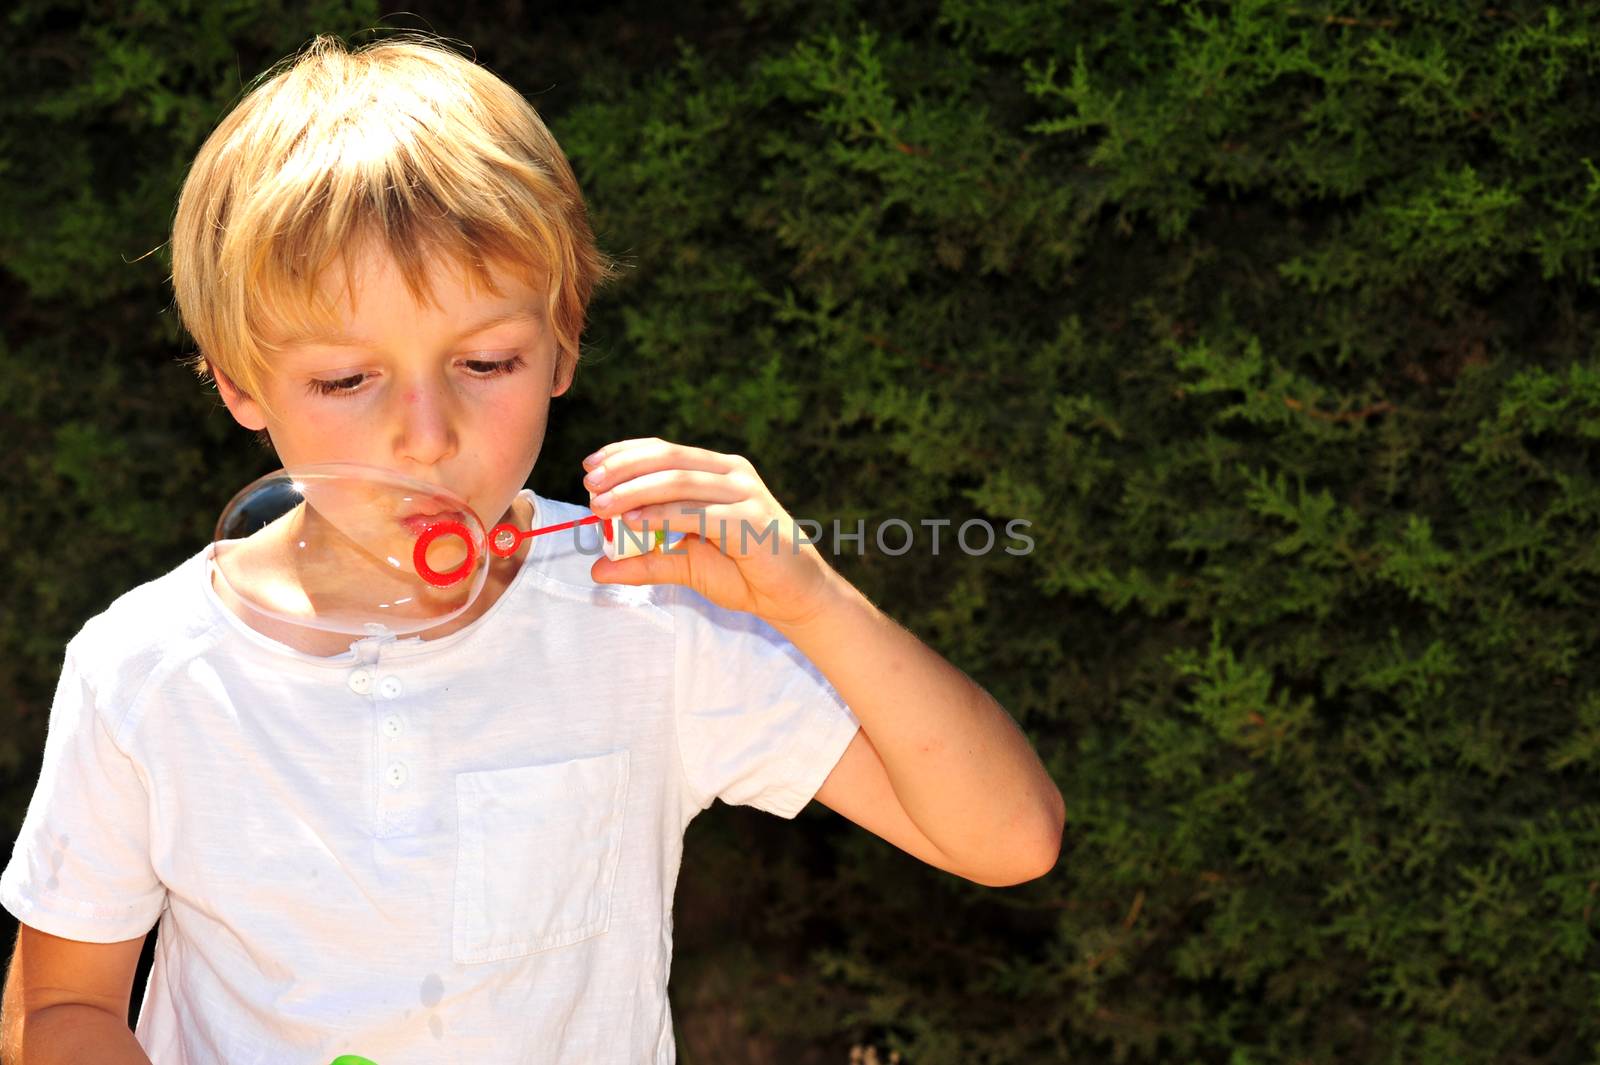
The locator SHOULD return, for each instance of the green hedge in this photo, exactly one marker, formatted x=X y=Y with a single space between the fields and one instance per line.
x=1273 y=319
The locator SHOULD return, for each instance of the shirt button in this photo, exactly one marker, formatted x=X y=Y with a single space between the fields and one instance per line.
x=393 y=726
x=390 y=687
x=361 y=681
x=397 y=774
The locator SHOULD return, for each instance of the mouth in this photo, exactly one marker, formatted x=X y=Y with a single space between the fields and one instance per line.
x=419 y=523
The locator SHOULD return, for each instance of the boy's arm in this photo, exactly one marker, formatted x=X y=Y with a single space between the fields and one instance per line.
x=938 y=765
x=66 y=1002
x=968 y=793
x=73 y=1034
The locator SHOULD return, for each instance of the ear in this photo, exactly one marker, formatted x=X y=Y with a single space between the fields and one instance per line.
x=246 y=411
x=566 y=369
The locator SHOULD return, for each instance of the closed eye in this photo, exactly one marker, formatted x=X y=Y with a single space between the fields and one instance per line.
x=496 y=367
x=481 y=369
x=343 y=386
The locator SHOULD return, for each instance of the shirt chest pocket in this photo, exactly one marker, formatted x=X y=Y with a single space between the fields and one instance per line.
x=537 y=855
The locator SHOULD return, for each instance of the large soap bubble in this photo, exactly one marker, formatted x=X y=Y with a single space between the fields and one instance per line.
x=347 y=548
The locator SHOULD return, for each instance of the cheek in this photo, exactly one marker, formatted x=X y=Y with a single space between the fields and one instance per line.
x=519 y=414
x=320 y=432
x=315 y=417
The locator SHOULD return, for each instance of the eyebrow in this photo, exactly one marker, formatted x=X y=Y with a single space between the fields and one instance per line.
x=344 y=340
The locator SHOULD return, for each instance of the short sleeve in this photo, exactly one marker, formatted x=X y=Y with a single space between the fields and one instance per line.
x=758 y=724
x=80 y=868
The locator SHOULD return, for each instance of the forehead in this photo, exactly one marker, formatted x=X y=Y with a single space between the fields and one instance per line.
x=372 y=275
x=370 y=290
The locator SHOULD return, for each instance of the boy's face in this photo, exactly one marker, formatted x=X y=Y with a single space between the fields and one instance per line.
x=438 y=393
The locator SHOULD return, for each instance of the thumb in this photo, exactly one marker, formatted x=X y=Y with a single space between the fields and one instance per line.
x=659 y=566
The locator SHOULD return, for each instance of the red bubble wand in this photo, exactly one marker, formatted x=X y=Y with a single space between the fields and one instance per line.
x=504 y=539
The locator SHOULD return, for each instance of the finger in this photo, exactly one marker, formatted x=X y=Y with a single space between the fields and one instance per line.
x=656 y=567
x=629 y=457
x=696 y=516
x=665 y=486
x=736 y=530
x=600 y=455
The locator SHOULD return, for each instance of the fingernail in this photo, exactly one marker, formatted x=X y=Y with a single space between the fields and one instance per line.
x=592 y=459
x=594 y=477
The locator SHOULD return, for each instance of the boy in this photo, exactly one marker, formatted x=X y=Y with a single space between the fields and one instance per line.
x=461 y=845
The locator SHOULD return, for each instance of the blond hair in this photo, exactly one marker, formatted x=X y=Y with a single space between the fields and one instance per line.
x=402 y=141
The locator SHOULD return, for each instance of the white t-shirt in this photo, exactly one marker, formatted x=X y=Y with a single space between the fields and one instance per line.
x=458 y=850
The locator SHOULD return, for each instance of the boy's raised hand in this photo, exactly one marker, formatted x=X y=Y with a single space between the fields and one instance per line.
x=658 y=483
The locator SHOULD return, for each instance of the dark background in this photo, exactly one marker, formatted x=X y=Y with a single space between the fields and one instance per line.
x=1277 y=323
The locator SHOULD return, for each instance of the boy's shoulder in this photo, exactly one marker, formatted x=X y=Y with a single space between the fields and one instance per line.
x=123 y=645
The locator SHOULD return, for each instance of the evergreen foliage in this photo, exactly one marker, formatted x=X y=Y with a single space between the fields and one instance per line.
x=1274 y=321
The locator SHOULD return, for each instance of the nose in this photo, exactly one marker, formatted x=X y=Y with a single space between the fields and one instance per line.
x=425 y=425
